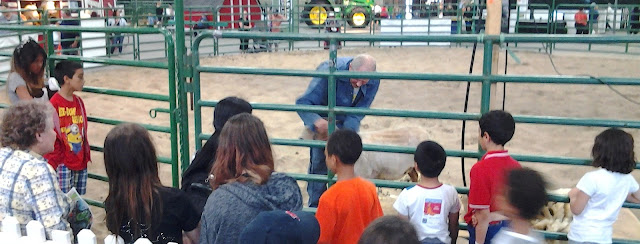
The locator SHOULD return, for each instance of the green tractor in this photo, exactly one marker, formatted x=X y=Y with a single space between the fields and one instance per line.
x=358 y=13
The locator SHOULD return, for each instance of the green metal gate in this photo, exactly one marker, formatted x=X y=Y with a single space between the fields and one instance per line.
x=486 y=80
x=171 y=98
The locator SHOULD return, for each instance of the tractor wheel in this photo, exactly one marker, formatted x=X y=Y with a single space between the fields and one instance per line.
x=359 y=17
x=315 y=13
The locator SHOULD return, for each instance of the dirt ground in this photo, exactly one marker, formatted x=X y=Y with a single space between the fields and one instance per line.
x=583 y=101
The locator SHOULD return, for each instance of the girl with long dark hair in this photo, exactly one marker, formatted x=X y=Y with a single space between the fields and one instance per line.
x=26 y=77
x=138 y=206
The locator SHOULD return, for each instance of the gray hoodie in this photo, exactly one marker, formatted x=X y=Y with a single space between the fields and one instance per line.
x=232 y=206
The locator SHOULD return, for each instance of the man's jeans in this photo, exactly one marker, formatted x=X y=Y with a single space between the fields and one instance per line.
x=576 y=242
x=491 y=232
x=116 y=42
x=317 y=166
x=431 y=241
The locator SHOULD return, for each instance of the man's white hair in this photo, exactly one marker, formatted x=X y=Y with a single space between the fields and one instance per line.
x=364 y=62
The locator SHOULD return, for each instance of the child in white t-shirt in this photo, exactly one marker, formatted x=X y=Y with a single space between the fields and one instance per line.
x=432 y=207
x=599 y=195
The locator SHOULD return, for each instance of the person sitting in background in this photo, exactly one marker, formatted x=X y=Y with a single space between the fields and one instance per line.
x=151 y=20
x=28 y=185
x=202 y=24
x=69 y=39
x=276 y=21
x=31 y=15
x=331 y=26
x=581 y=22
x=7 y=17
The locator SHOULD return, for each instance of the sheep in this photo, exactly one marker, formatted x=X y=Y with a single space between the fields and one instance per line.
x=556 y=216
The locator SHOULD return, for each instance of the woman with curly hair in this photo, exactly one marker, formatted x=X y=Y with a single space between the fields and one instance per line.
x=26 y=77
x=28 y=185
x=244 y=182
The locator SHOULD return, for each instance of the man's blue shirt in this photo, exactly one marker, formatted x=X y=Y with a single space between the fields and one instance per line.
x=317 y=94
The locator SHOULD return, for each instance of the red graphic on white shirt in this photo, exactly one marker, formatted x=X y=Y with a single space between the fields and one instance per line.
x=432 y=206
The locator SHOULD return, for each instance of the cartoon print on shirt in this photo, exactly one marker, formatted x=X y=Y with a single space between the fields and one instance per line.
x=74 y=137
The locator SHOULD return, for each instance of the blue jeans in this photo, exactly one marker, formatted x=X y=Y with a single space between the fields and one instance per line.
x=431 y=241
x=116 y=41
x=491 y=232
x=317 y=166
x=576 y=242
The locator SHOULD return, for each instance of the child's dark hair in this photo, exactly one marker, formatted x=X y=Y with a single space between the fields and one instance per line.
x=65 y=68
x=430 y=158
x=227 y=108
x=526 y=191
x=389 y=229
x=499 y=125
x=613 y=151
x=346 y=144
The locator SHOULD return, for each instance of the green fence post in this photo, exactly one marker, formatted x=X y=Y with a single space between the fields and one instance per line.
x=292 y=20
x=173 y=116
x=50 y=47
x=195 y=84
x=485 y=102
x=401 y=28
x=182 y=93
x=429 y=27
x=517 y=27
x=331 y=101
x=461 y=23
x=615 y=13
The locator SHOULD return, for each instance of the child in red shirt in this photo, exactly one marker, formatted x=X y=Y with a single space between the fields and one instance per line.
x=488 y=175
x=72 y=152
x=348 y=207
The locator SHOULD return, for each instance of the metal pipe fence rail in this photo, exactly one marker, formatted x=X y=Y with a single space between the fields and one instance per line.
x=150 y=47
x=486 y=80
x=171 y=98
x=468 y=20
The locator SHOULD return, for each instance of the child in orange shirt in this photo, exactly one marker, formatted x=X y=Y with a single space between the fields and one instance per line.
x=348 y=207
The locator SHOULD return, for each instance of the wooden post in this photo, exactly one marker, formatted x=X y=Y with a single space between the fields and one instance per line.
x=492 y=27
